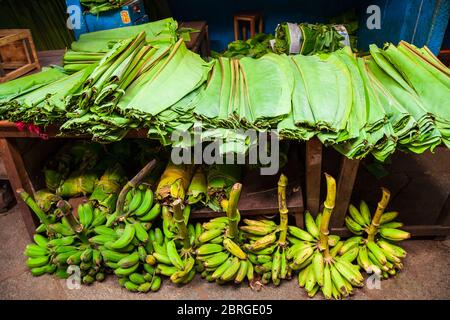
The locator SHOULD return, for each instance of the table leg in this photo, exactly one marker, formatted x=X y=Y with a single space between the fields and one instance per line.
x=236 y=29
x=444 y=217
x=313 y=166
x=18 y=178
x=347 y=177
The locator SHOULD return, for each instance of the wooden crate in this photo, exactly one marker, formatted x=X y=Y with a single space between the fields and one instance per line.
x=17 y=54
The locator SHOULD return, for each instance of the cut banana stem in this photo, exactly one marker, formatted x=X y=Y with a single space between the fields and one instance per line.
x=179 y=219
x=232 y=212
x=374 y=225
x=329 y=204
x=33 y=206
x=282 y=205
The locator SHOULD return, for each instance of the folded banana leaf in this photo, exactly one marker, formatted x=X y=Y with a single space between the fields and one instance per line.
x=20 y=86
x=157 y=32
x=433 y=91
x=267 y=82
x=315 y=108
x=171 y=79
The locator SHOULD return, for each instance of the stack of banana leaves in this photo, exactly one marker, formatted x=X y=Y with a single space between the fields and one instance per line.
x=242 y=93
x=306 y=38
x=394 y=98
x=91 y=47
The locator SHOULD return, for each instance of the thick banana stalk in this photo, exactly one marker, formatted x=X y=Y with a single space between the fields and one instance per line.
x=33 y=206
x=132 y=184
x=232 y=212
x=374 y=225
x=329 y=204
x=180 y=221
x=282 y=207
x=66 y=210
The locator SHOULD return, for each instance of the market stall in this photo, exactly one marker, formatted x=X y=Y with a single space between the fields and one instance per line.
x=87 y=149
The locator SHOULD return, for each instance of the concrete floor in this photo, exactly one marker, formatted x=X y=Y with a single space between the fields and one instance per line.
x=425 y=277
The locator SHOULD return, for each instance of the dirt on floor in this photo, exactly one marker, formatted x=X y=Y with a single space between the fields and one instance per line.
x=425 y=276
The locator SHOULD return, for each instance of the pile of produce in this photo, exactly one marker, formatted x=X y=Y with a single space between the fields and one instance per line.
x=306 y=38
x=99 y=6
x=391 y=99
x=292 y=38
x=92 y=46
x=95 y=220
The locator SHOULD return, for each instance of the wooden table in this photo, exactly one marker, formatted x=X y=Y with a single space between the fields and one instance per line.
x=345 y=182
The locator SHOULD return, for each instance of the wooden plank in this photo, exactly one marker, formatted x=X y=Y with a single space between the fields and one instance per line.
x=3 y=174
x=415 y=230
x=18 y=178
x=313 y=168
x=346 y=181
x=444 y=216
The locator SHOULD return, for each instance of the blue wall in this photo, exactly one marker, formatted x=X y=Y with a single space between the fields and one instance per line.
x=417 y=21
x=421 y=22
x=219 y=13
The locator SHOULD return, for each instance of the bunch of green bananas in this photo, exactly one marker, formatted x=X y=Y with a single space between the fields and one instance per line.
x=264 y=250
x=222 y=258
x=219 y=250
x=125 y=250
x=90 y=217
x=178 y=266
x=320 y=267
x=55 y=255
x=373 y=243
x=139 y=204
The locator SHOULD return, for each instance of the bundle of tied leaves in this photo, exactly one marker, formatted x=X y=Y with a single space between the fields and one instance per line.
x=306 y=38
x=91 y=47
x=99 y=6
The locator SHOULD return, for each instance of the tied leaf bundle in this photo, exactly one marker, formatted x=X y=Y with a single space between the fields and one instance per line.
x=198 y=187
x=107 y=189
x=221 y=178
x=311 y=38
x=99 y=6
x=78 y=183
x=174 y=182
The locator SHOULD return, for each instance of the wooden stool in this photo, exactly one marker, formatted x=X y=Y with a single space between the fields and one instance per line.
x=251 y=18
x=17 y=54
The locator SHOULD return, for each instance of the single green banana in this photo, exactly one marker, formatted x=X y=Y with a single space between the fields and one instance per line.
x=146 y=203
x=125 y=238
x=152 y=214
x=311 y=226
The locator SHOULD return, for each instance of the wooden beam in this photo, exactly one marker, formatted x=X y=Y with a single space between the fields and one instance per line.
x=444 y=216
x=18 y=178
x=313 y=168
x=347 y=177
